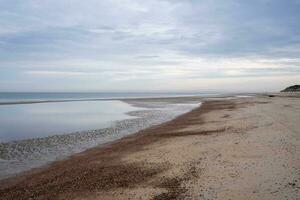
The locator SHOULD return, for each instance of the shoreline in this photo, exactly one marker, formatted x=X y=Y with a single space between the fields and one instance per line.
x=17 y=156
x=125 y=99
x=103 y=147
x=183 y=158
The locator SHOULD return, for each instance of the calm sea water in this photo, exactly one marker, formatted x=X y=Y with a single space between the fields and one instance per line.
x=21 y=119
x=34 y=134
x=7 y=97
x=25 y=121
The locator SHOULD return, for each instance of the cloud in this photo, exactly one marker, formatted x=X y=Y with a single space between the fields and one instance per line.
x=57 y=73
x=153 y=42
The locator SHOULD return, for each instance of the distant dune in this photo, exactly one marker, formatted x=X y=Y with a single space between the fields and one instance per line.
x=293 y=88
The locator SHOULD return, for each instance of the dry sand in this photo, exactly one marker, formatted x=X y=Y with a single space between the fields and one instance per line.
x=245 y=148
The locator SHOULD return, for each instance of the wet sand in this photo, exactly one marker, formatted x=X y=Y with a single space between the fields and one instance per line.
x=246 y=148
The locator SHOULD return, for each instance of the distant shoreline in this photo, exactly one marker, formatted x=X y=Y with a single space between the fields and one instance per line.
x=50 y=101
x=96 y=99
x=12 y=102
x=155 y=98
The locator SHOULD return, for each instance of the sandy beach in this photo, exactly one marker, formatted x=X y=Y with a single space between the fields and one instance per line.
x=234 y=148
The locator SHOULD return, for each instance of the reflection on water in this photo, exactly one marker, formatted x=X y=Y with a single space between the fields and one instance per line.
x=101 y=122
x=26 y=121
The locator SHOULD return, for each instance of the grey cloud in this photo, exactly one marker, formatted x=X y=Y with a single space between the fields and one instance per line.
x=151 y=39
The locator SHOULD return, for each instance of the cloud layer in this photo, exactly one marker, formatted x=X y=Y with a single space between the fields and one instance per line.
x=158 y=45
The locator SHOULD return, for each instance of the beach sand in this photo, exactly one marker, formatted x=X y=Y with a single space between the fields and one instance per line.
x=244 y=148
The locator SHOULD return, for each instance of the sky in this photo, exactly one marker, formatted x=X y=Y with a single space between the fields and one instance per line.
x=157 y=45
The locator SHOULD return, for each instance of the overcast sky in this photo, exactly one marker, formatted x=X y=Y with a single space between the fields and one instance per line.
x=155 y=45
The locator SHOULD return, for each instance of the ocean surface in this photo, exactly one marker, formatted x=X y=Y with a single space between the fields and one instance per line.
x=26 y=121
x=34 y=134
x=29 y=97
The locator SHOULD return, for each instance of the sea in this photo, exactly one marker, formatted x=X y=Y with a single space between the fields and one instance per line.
x=38 y=128
x=27 y=97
